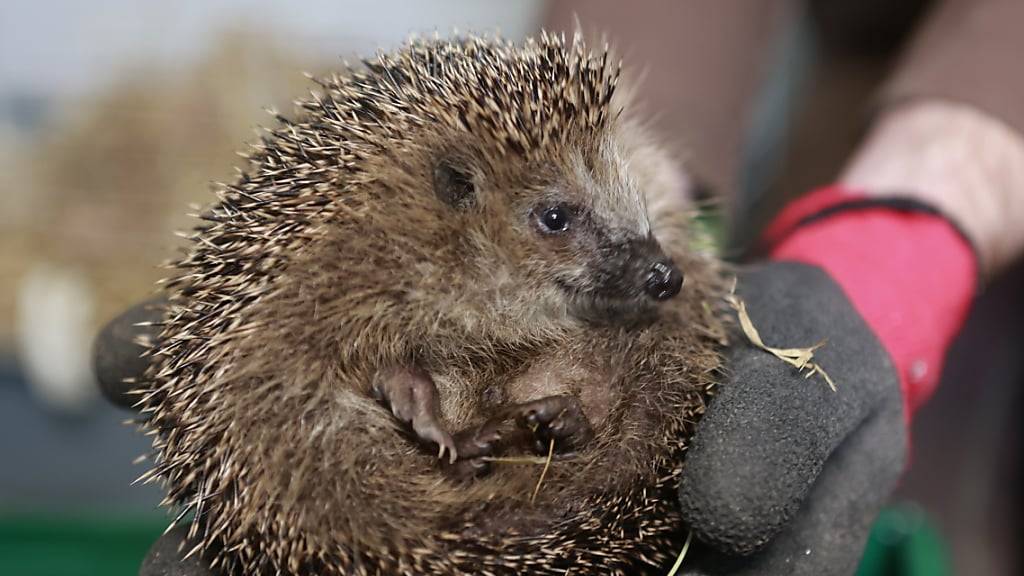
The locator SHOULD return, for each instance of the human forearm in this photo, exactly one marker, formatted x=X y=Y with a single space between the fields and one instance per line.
x=958 y=159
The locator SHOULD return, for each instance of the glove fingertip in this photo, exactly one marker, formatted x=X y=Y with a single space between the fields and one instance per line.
x=165 y=557
x=117 y=355
x=720 y=524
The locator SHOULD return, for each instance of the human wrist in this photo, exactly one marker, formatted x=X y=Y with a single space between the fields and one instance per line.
x=951 y=156
x=905 y=268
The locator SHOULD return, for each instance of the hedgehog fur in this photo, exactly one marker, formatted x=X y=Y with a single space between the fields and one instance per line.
x=332 y=256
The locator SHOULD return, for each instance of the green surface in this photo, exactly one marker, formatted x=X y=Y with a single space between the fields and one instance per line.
x=76 y=545
x=903 y=543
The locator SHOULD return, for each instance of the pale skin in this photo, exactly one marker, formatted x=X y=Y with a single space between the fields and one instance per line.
x=956 y=158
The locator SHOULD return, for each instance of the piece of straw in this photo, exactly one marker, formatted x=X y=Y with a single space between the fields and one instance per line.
x=800 y=358
x=682 y=554
x=535 y=460
x=547 y=464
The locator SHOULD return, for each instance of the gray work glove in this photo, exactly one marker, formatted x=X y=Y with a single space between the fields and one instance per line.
x=785 y=476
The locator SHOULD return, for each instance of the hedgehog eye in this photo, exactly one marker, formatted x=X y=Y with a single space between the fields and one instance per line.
x=555 y=219
x=453 y=186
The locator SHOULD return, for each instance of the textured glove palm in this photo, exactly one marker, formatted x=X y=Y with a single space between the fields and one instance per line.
x=785 y=476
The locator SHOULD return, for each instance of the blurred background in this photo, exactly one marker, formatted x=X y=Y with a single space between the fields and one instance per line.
x=116 y=115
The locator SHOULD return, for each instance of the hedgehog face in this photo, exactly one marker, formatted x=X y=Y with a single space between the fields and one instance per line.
x=574 y=227
x=537 y=211
x=592 y=239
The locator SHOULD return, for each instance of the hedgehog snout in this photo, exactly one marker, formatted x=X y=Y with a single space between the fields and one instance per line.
x=659 y=276
x=664 y=280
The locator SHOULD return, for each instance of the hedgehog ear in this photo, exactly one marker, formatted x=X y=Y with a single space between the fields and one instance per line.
x=454 y=186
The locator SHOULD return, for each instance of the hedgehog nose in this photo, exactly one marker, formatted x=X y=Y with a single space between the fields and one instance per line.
x=663 y=281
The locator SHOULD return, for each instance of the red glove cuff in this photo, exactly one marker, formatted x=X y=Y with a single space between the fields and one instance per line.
x=906 y=269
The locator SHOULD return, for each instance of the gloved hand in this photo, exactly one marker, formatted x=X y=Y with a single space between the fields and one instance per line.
x=776 y=445
x=785 y=476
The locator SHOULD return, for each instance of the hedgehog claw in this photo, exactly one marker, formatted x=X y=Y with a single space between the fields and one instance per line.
x=469 y=468
x=475 y=445
x=447 y=445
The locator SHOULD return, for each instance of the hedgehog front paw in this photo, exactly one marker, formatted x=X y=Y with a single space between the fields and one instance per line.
x=559 y=419
x=530 y=425
x=475 y=448
x=411 y=395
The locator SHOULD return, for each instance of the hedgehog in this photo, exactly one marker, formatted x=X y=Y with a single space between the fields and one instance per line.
x=456 y=260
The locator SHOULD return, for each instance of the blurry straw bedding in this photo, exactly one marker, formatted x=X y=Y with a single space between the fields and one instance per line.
x=102 y=184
